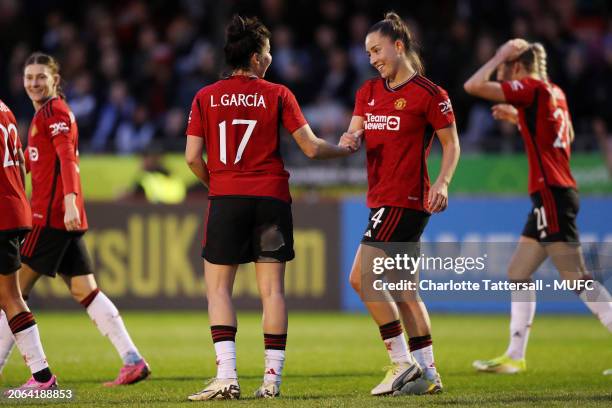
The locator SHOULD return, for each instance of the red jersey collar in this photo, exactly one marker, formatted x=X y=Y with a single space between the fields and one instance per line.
x=400 y=86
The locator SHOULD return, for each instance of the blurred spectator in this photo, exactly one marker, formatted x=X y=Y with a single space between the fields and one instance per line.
x=339 y=79
x=117 y=109
x=155 y=183
x=117 y=55
x=171 y=134
x=479 y=122
x=83 y=102
x=358 y=58
x=134 y=134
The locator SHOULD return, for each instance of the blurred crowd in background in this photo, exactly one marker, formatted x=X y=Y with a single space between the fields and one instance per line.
x=131 y=68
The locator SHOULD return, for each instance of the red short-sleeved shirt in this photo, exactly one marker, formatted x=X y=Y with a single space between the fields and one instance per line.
x=239 y=119
x=14 y=205
x=399 y=124
x=47 y=200
x=544 y=123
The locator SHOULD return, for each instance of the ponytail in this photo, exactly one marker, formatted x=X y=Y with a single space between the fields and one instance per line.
x=540 y=61
x=395 y=28
x=534 y=60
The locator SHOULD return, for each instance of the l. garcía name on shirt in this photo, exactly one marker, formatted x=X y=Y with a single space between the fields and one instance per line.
x=246 y=100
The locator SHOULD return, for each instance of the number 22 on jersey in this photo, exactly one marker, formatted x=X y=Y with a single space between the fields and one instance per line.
x=10 y=158
x=245 y=138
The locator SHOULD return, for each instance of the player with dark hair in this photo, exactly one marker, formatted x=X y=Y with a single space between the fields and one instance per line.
x=55 y=244
x=529 y=99
x=237 y=120
x=401 y=111
x=16 y=220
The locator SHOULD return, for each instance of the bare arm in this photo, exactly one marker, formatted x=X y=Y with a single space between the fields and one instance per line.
x=438 y=193
x=506 y=112
x=481 y=85
x=317 y=148
x=194 y=159
x=353 y=136
x=22 y=167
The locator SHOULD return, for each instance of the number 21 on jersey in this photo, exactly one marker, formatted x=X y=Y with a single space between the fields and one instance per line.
x=245 y=138
x=563 y=138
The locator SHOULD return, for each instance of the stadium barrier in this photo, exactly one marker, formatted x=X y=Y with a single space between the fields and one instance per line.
x=494 y=223
x=148 y=256
x=105 y=177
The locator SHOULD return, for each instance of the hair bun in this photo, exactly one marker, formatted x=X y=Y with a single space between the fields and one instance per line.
x=236 y=29
x=392 y=16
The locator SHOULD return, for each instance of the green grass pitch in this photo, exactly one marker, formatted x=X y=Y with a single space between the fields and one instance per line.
x=333 y=360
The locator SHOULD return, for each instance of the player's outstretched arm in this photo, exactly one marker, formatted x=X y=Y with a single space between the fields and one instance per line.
x=506 y=112
x=353 y=136
x=317 y=148
x=194 y=159
x=480 y=83
x=438 y=193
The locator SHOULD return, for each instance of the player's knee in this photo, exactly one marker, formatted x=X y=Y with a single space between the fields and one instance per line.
x=78 y=293
x=355 y=281
x=273 y=295
x=218 y=293
x=8 y=300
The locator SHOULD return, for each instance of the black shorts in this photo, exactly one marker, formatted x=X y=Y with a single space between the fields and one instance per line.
x=553 y=216
x=240 y=230
x=395 y=224
x=10 y=260
x=49 y=251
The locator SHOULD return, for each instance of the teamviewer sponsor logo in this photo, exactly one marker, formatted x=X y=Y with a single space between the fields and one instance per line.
x=33 y=153
x=382 y=122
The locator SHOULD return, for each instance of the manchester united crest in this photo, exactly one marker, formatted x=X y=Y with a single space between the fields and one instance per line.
x=400 y=104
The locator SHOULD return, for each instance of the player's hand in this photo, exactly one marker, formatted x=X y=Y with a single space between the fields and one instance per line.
x=438 y=197
x=72 y=219
x=352 y=141
x=504 y=111
x=511 y=49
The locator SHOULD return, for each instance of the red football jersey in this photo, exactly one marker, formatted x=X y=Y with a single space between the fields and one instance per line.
x=544 y=123
x=399 y=125
x=239 y=119
x=48 y=189
x=14 y=205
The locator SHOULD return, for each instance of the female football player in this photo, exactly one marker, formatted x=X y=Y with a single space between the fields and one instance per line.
x=528 y=98
x=396 y=110
x=236 y=120
x=55 y=244
x=16 y=220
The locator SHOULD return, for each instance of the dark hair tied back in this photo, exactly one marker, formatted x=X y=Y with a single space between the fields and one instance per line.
x=245 y=36
x=393 y=27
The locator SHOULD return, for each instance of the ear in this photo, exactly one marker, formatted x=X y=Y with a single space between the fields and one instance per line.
x=399 y=46
x=255 y=59
x=56 y=80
